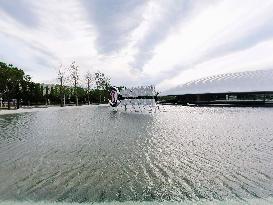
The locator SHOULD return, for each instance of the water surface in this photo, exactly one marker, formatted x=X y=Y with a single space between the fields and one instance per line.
x=92 y=154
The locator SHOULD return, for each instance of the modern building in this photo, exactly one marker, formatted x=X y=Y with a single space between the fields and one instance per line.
x=251 y=88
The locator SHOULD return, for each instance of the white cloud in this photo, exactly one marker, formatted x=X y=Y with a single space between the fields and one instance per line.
x=254 y=58
x=219 y=23
x=142 y=42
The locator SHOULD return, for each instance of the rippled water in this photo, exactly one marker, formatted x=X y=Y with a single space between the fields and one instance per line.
x=92 y=154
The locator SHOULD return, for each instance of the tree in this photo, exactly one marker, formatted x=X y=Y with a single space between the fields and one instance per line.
x=25 y=93
x=14 y=84
x=74 y=73
x=46 y=94
x=88 y=77
x=11 y=80
x=61 y=75
x=102 y=81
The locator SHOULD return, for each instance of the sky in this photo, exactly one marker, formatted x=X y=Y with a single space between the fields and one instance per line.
x=137 y=42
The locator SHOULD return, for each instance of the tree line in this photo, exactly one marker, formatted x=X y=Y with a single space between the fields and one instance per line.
x=17 y=88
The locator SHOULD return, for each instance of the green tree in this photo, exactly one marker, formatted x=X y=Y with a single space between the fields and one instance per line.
x=89 y=78
x=61 y=76
x=102 y=81
x=11 y=81
x=74 y=73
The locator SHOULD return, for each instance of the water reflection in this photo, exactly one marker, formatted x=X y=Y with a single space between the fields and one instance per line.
x=95 y=154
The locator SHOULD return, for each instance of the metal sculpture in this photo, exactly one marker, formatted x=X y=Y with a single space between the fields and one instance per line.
x=137 y=99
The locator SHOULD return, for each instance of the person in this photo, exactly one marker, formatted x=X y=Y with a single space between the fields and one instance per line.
x=114 y=97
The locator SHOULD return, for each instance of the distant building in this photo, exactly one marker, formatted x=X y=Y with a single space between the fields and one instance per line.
x=47 y=88
x=243 y=88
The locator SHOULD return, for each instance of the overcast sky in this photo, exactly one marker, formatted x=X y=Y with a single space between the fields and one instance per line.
x=137 y=42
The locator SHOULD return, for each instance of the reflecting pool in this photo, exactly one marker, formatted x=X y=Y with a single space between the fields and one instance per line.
x=94 y=154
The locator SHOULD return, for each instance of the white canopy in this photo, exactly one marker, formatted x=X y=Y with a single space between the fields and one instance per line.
x=250 y=81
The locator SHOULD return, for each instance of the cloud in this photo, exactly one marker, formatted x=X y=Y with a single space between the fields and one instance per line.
x=113 y=21
x=211 y=34
x=140 y=41
x=16 y=52
x=21 y=11
x=62 y=37
x=161 y=18
x=254 y=58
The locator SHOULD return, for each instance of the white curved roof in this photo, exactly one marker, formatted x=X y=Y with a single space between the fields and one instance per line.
x=250 y=81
